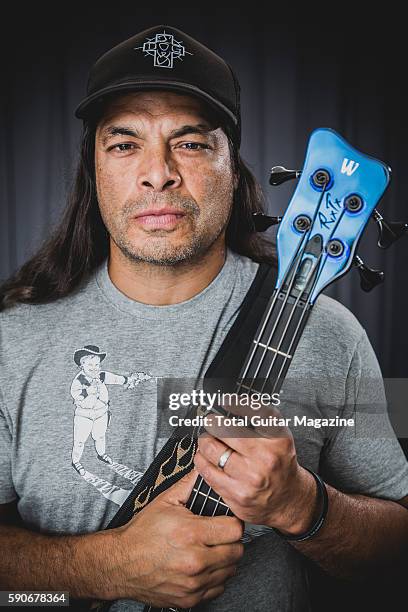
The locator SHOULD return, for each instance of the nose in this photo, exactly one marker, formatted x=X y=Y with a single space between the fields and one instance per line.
x=159 y=172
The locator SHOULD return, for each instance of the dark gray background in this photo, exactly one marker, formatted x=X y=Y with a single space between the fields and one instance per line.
x=295 y=76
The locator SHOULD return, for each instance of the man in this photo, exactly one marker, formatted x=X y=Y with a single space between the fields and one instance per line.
x=158 y=238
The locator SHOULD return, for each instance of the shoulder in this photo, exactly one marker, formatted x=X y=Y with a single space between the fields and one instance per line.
x=25 y=328
x=333 y=342
x=16 y=322
x=334 y=322
x=46 y=312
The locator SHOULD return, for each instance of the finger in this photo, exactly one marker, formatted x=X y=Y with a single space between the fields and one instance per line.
x=246 y=442
x=213 y=449
x=220 y=531
x=179 y=493
x=213 y=593
x=268 y=421
x=223 y=555
x=218 y=576
x=237 y=437
x=224 y=484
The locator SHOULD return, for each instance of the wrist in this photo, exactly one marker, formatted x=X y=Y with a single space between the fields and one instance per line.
x=93 y=564
x=304 y=508
x=323 y=501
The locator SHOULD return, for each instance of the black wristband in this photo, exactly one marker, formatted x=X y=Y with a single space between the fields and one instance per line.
x=323 y=497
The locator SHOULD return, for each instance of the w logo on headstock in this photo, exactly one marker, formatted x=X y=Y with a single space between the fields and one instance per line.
x=349 y=166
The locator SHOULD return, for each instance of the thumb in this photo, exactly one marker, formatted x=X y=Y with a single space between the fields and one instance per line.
x=179 y=493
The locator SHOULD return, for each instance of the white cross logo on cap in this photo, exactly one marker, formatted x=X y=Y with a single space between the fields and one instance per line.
x=164 y=48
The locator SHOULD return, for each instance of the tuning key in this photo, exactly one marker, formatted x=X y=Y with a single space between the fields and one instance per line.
x=369 y=278
x=262 y=222
x=279 y=175
x=388 y=231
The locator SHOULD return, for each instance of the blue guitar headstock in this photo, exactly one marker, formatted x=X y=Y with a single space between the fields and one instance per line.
x=336 y=195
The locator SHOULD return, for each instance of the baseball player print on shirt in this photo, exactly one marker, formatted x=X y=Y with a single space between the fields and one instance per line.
x=90 y=394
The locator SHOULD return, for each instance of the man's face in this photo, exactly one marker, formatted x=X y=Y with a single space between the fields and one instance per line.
x=91 y=365
x=164 y=177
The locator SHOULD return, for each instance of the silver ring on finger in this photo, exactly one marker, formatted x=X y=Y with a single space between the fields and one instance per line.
x=224 y=458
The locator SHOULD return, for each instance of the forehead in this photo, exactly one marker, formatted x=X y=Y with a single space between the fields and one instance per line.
x=160 y=105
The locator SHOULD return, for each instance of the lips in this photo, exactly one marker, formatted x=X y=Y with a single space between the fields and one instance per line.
x=159 y=211
x=159 y=218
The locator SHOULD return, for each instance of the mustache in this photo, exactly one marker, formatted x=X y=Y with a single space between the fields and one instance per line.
x=183 y=203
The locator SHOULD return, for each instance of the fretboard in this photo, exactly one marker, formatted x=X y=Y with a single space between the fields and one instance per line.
x=264 y=370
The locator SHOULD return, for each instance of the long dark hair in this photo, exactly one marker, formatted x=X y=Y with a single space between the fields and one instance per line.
x=80 y=243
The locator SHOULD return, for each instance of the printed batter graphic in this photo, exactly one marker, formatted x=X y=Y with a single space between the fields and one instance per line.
x=89 y=391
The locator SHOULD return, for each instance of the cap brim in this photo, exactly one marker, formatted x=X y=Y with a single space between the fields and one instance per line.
x=88 y=106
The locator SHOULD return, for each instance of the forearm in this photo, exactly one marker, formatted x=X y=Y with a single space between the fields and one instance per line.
x=77 y=564
x=360 y=534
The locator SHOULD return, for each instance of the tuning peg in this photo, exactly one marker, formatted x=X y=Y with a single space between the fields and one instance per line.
x=262 y=222
x=388 y=231
x=279 y=175
x=369 y=278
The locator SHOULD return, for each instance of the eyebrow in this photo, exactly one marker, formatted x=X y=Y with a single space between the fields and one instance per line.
x=119 y=130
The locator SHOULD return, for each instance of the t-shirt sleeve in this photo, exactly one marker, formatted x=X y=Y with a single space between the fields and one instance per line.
x=367 y=458
x=7 y=491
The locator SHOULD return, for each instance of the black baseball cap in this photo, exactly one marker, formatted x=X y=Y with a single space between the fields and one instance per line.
x=163 y=57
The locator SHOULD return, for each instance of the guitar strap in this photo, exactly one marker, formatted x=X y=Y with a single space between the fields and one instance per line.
x=175 y=459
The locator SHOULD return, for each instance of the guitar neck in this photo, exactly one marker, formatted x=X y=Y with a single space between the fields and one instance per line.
x=264 y=371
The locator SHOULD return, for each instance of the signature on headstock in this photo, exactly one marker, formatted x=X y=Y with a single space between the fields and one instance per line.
x=333 y=208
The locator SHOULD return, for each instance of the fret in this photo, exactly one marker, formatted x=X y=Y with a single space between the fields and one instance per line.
x=275 y=342
x=208 y=496
x=242 y=386
x=257 y=385
x=271 y=348
x=205 y=501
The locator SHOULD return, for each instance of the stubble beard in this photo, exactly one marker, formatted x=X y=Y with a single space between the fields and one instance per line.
x=159 y=251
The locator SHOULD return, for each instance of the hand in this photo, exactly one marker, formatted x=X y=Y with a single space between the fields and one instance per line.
x=262 y=481
x=167 y=556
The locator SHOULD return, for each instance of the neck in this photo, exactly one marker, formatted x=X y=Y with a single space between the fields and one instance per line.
x=164 y=285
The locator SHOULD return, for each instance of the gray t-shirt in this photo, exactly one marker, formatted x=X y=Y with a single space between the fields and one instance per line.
x=57 y=409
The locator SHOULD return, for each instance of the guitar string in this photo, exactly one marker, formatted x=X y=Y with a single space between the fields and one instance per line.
x=291 y=273
x=334 y=229
x=292 y=270
x=303 y=313
x=305 y=239
x=292 y=313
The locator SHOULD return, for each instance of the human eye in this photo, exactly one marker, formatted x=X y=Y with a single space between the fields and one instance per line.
x=122 y=147
x=193 y=146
